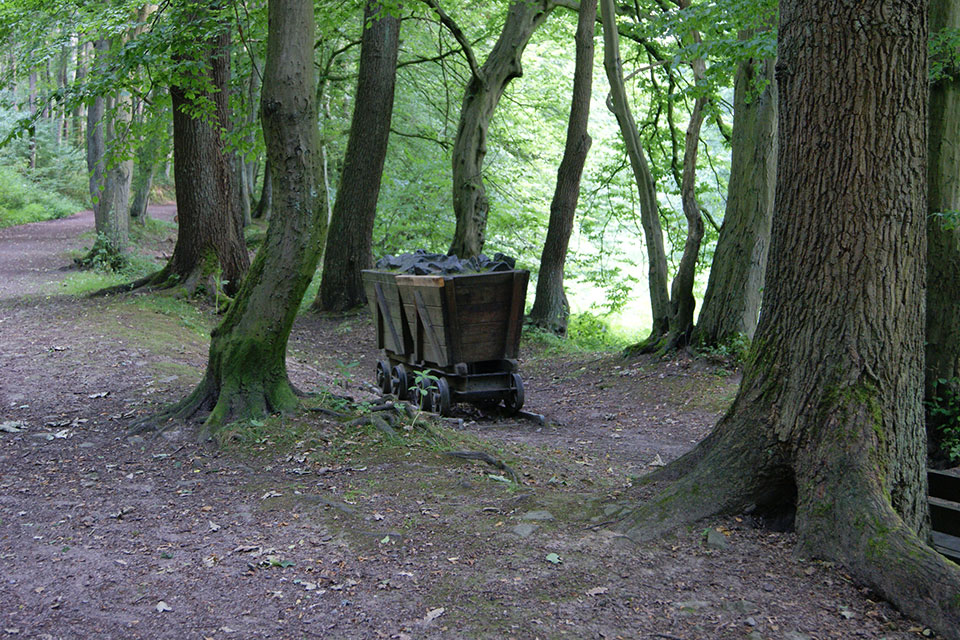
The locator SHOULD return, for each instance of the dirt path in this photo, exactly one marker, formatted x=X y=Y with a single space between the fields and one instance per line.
x=341 y=534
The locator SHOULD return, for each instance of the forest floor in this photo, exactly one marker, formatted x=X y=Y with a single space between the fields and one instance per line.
x=303 y=527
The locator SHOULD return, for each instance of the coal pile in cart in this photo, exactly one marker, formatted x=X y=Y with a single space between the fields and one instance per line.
x=448 y=329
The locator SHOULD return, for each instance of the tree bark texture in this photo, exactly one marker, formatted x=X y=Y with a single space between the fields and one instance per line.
x=210 y=249
x=829 y=414
x=109 y=184
x=943 y=249
x=731 y=304
x=550 y=307
x=480 y=100
x=246 y=372
x=350 y=236
x=649 y=208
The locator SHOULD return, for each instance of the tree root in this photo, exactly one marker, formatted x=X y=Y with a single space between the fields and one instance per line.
x=182 y=411
x=128 y=286
x=485 y=457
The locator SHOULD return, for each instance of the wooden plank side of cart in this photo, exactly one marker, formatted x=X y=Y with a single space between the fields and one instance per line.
x=422 y=300
x=489 y=312
x=383 y=297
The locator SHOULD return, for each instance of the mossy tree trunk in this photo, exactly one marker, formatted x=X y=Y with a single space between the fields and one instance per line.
x=829 y=416
x=246 y=372
x=480 y=99
x=943 y=225
x=351 y=227
x=649 y=208
x=550 y=308
x=731 y=304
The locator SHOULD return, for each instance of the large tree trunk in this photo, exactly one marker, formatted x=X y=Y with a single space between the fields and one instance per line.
x=480 y=100
x=351 y=226
x=649 y=208
x=829 y=415
x=246 y=373
x=731 y=304
x=550 y=307
x=943 y=234
x=210 y=252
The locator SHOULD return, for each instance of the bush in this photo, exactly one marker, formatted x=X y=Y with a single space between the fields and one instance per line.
x=55 y=188
x=22 y=201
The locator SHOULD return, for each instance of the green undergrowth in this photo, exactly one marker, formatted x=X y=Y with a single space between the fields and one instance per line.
x=23 y=201
x=586 y=332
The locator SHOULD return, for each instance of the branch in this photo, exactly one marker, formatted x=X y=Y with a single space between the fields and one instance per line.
x=459 y=36
x=443 y=145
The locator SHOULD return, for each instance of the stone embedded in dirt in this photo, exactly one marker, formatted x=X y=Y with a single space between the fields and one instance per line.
x=716 y=540
x=537 y=515
x=524 y=530
x=691 y=606
x=743 y=607
x=12 y=426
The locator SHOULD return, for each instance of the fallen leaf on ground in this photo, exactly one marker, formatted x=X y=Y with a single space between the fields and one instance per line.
x=554 y=558
x=12 y=426
x=596 y=591
x=163 y=606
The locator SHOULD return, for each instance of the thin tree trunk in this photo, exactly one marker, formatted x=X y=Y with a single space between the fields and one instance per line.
x=550 y=306
x=265 y=203
x=480 y=99
x=351 y=227
x=649 y=208
x=32 y=105
x=61 y=115
x=682 y=302
x=147 y=154
x=246 y=372
x=109 y=182
x=732 y=301
x=829 y=417
x=943 y=234
x=78 y=111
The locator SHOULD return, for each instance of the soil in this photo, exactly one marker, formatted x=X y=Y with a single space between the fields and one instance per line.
x=302 y=526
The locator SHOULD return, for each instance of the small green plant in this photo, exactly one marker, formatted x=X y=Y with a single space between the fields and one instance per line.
x=732 y=350
x=943 y=414
x=422 y=381
x=345 y=369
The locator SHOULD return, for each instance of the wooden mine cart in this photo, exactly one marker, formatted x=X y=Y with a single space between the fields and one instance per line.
x=449 y=338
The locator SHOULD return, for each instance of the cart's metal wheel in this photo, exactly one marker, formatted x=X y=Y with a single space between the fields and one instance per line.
x=441 y=397
x=383 y=376
x=425 y=393
x=399 y=383
x=514 y=399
